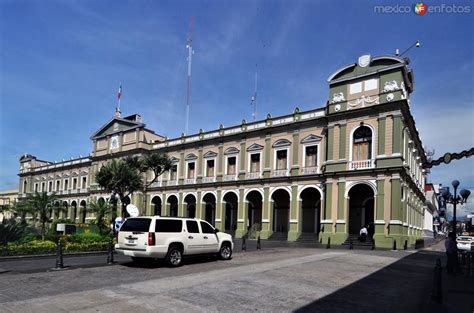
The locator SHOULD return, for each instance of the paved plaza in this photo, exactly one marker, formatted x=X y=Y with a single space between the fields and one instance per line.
x=277 y=279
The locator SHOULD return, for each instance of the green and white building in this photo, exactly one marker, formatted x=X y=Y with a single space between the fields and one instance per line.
x=320 y=174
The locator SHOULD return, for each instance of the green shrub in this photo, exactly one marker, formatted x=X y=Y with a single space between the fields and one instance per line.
x=38 y=247
x=27 y=237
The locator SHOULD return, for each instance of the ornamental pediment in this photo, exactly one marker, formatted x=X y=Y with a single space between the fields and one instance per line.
x=311 y=138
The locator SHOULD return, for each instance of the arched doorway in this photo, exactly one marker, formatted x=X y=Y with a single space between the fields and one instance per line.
x=310 y=210
x=73 y=215
x=83 y=211
x=254 y=217
x=281 y=210
x=231 y=209
x=361 y=207
x=156 y=205
x=58 y=213
x=190 y=202
x=209 y=201
x=172 y=202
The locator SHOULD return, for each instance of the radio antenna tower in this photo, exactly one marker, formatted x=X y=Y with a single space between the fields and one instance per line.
x=189 y=46
x=253 y=102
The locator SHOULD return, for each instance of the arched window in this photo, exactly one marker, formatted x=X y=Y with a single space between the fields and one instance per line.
x=362 y=144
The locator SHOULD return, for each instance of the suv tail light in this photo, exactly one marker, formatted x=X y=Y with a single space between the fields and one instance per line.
x=151 y=239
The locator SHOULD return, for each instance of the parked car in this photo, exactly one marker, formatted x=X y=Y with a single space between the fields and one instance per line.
x=171 y=238
x=465 y=243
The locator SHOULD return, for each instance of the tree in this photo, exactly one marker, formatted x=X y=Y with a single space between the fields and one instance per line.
x=41 y=205
x=101 y=209
x=22 y=208
x=10 y=231
x=123 y=177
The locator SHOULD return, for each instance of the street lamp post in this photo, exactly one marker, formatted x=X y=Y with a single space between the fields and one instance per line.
x=455 y=199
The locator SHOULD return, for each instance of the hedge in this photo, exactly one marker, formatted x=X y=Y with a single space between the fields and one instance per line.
x=38 y=247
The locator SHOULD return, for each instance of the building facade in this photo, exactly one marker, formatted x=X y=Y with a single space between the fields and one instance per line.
x=320 y=174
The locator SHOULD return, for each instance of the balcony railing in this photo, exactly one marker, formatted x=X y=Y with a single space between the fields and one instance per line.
x=361 y=164
x=189 y=181
x=278 y=173
x=229 y=177
x=173 y=182
x=309 y=170
x=208 y=179
x=253 y=175
x=83 y=190
x=156 y=184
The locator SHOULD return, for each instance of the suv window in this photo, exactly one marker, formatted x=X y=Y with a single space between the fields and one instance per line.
x=206 y=228
x=136 y=224
x=192 y=227
x=168 y=226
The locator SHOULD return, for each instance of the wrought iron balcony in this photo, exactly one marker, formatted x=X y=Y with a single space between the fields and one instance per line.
x=279 y=173
x=253 y=175
x=309 y=170
x=229 y=177
x=190 y=181
x=173 y=182
x=209 y=179
x=361 y=164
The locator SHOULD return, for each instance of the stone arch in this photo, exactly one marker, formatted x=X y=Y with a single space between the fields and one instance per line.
x=361 y=208
x=157 y=204
x=281 y=198
x=172 y=202
x=230 y=201
x=310 y=198
x=190 y=200
x=209 y=202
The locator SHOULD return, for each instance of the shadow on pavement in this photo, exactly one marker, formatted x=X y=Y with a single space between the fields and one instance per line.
x=403 y=286
x=159 y=263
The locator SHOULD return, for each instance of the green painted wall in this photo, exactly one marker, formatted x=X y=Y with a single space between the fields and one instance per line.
x=380 y=199
x=397 y=134
x=328 y=202
x=396 y=199
x=381 y=139
x=341 y=200
x=330 y=144
x=342 y=141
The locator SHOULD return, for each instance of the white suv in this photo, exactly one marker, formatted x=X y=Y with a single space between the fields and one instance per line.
x=171 y=238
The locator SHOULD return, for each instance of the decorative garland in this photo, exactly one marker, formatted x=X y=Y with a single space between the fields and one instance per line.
x=448 y=157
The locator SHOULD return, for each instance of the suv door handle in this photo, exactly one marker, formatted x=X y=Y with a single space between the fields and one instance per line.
x=205 y=237
x=190 y=237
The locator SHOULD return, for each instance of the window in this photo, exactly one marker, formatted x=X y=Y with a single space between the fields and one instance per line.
x=36 y=187
x=58 y=185
x=362 y=144
x=370 y=84
x=136 y=224
x=192 y=227
x=355 y=88
x=168 y=226
x=25 y=186
x=43 y=187
x=206 y=228
x=255 y=163
x=210 y=168
x=367 y=85
x=311 y=154
x=174 y=172
x=281 y=159
x=231 y=165
x=84 y=181
x=191 y=167
x=50 y=186
x=66 y=182
x=74 y=183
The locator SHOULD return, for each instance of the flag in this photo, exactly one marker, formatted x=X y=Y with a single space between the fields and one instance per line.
x=120 y=91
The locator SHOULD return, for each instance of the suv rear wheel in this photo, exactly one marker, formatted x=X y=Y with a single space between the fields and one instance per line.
x=225 y=253
x=174 y=256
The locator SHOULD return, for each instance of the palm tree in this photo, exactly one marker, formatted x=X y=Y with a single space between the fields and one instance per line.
x=101 y=209
x=22 y=208
x=42 y=206
x=123 y=177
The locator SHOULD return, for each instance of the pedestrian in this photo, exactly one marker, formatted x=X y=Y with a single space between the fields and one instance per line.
x=363 y=234
x=452 y=265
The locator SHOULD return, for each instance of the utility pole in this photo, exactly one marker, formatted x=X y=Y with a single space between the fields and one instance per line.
x=189 y=46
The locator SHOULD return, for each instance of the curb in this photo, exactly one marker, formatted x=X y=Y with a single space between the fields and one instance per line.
x=21 y=257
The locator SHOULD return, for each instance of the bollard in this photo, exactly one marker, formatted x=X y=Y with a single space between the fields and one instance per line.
x=59 y=256
x=437 y=293
x=351 y=245
x=329 y=243
x=394 y=245
x=259 y=246
x=373 y=244
x=110 y=252
x=405 y=246
x=244 y=246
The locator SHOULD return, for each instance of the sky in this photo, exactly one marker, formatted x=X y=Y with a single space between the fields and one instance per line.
x=61 y=63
